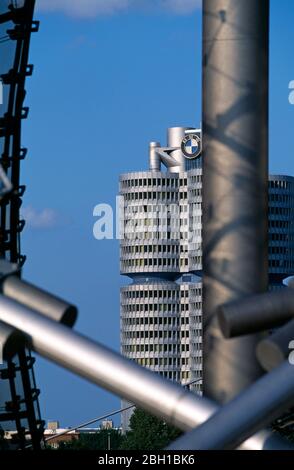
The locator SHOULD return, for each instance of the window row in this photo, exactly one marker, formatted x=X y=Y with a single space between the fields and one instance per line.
x=196 y=332
x=154 y=195
x=157 y=348
x=143 y=262
x=140 y=294
x=195 y=192
x=171 y=308
x=156 y=209
x=168 y=182
x=279 y=184
x=155 y=334
x=275 y=210
x=278 y=263
x=167 y=321
x=163 y=294
x=135 y=249
x=195 y=179
x=278 y=197
x=278 y=250
x=284 y=224
x=163 y=361
x=134 y=234
x=283 y=237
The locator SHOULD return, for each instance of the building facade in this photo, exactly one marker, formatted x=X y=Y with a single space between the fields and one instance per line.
x=281 y=229
x=161 y=253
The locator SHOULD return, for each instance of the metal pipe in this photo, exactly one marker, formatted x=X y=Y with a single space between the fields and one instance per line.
x=256 y=313
x=257 y=406
x=110 y=370
x=289 y=281
x=40 y=300
x=154 y=159
x=106 y=368
x=274 y=349
x=175 y=135
x=235 y=173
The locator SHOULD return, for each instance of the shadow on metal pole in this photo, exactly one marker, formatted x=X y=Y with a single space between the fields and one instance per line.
x=235 y=173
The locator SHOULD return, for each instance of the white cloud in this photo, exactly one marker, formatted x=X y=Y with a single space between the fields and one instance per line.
x=92 y=8
x=42 y=219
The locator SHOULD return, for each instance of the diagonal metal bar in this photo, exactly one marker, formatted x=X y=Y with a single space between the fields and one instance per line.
x=254 y=408
x=116 y=373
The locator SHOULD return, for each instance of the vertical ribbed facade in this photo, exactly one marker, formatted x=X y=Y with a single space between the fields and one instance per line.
x=281 y=229
x=161 y=308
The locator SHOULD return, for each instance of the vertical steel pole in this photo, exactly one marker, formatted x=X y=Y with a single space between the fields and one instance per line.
x=235 y=174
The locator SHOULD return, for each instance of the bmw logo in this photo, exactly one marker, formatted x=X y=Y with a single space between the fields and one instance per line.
x=191 y=146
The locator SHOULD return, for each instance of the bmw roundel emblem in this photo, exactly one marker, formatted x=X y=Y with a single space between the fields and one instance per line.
x=191 y=146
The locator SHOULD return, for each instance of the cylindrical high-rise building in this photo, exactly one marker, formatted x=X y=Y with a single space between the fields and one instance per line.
x=161 y=253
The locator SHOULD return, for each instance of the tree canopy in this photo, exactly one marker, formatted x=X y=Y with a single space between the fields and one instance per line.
x=148 y=433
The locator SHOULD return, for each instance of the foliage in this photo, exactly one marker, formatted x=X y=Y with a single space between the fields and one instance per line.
x=94 y=441
x=148 y=433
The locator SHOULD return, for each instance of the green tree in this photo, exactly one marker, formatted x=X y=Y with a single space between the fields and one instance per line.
x=148 y=433
x=95 y=441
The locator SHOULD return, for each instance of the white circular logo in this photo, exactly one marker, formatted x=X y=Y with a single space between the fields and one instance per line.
x=191 y=146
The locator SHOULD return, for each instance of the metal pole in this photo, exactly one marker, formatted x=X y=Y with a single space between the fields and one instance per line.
x=235 y=173
x=40 y=300
x=106 y=368
x=115 y=373
x=257 y=406
x=256 y=313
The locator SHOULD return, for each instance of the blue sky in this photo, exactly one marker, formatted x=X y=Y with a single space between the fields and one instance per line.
x=105 y=84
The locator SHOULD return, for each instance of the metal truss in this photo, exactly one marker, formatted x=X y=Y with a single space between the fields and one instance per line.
x=16 y=26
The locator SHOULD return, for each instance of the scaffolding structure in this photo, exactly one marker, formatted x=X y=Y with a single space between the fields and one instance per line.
x=18 y=390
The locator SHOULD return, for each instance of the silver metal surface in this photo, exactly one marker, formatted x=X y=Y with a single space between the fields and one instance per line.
x=112 y=371
x=37 y=299
x=171 y=156
x=235 y=173
x=256 y=313
x=257 y=406
x=274 y=349
x=289 y=281
x=107 y=368
x=175 y=136
x=154 y=159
